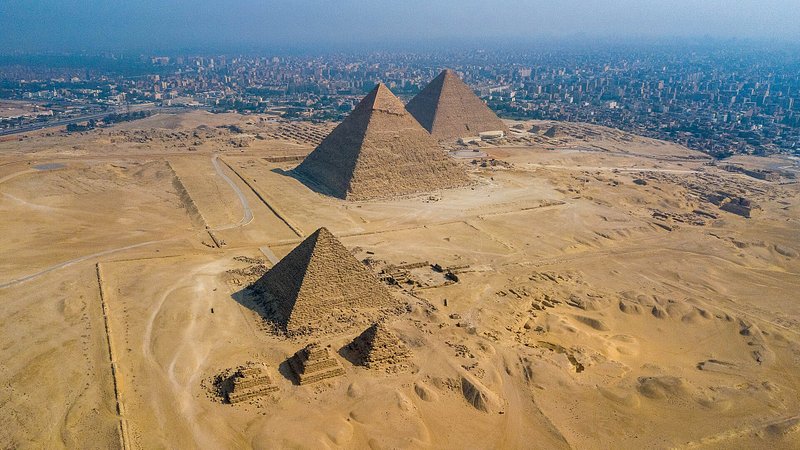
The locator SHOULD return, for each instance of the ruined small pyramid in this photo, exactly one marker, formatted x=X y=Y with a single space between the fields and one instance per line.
x=380 y=151
x=314 y=363
x=449 y=109
x=379 y=347
x=246 y=382
x=554 y=132
x=319 y=279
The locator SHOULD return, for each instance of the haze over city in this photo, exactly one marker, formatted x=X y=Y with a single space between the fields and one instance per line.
x=47 y=25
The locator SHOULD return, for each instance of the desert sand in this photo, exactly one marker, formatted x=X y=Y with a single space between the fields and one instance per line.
x=588 y=289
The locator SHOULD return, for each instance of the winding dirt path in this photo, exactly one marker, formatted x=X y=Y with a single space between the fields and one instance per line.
x=248 y=213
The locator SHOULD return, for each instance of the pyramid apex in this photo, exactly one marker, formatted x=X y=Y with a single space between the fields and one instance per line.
x=323 y=231
x=382 y=99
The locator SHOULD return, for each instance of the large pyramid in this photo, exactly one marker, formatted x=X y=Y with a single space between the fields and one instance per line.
x=317 y=281
x=448 y=109
x=380 y=151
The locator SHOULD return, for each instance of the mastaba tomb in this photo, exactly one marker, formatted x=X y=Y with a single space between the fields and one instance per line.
x=315 y=363
x=378 y=347
x=449 y=109
x=319 y=280
x=380 y=151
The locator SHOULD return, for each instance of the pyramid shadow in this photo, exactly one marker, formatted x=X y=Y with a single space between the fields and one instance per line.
x=305 y=181
x=288 y=373
x=245 y=297
x=350 y=355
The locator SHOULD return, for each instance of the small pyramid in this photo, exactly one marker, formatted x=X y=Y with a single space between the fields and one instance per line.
x=380 y=151
x=319 y=279
x=553 y=132
x=379 y=347
x=314 y=363
x=245 y=382
x=449 y=109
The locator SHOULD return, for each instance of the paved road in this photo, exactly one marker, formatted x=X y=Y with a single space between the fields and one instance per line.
x=57 y=123
x=248 y=213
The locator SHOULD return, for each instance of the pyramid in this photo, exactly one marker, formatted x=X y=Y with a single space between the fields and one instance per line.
x=449 y=109
x=314 y=363
x=380 y=151
x=378 y=347
x=320 y=279
x=245 y=382
x=554 y=132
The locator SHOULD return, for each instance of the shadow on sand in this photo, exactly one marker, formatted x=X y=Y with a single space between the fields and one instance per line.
x=310 y=184
x=246 y=297
x=351 y=356
x=288 y=373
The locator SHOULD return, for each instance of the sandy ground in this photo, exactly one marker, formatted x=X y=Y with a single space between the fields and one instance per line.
x=595 y=306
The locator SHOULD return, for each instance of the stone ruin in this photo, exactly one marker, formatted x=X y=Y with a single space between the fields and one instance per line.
x=554 y=132
x=379 y=151
x=422 y=275
x=731 y=203
x=738 y=205
x=761 y=174
x=246 y=382
x=319 y=281
x=378 y=347
x=314 y=363
x=449 y=109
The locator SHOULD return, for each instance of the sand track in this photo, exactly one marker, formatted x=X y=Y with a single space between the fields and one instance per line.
x=79 y=260
x=247 y=216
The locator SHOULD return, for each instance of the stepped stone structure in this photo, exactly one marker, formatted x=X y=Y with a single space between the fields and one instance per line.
x=378 y=347
x=449 y=109
x=554 y=132
x=380 y=151
x=246 y=382
x=320 y=279
x=315 y=363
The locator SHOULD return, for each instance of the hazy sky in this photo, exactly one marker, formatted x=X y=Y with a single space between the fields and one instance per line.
x=173 y=24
